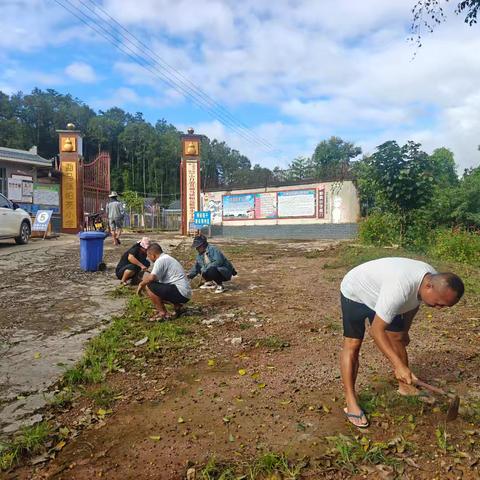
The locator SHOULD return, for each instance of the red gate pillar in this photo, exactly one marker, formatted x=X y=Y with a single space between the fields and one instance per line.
x=70 y=148
x=190 y=179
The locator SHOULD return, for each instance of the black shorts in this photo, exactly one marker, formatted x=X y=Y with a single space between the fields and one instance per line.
x=167 y=292
x=354 y=315
x=129 y=266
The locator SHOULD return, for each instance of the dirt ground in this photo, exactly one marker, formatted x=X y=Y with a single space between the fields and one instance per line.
x=49 y=308
x=259 y=373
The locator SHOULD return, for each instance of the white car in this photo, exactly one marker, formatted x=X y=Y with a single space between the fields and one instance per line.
x=14 y=221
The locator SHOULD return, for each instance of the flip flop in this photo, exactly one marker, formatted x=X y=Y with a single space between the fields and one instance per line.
x=158 y=317
x=360 y=416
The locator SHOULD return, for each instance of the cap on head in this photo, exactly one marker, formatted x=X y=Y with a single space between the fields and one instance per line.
x=113 y=194
x=199 y=241
x=144 y=242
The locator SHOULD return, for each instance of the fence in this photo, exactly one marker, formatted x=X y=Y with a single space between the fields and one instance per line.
x=159 y=219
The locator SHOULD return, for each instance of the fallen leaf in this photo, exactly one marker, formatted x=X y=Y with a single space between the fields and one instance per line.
x=231 y=438
x=242 y=372
x=255 y=375
x=211 y=362
x=181 y=420
x=262 y=385
x=60 y=445
x=155 y=437
x=37 y=355
x=285 y=402
x=226 y=419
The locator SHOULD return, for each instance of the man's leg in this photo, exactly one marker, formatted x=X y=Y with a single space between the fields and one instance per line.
x=212 y=273
x=349 y=363
x=157 y=301
x=127 y=275
x=119 y=232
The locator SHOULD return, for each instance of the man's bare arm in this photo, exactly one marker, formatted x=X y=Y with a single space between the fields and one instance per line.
x=379 y=334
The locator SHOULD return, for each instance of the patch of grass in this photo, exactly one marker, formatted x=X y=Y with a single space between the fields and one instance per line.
x=275 y=466
x=236 y=250
x=104 y=352
x=165 y=332
x=368 y=401
x=245 y=326
x=272 y=342
x=216 y=471
x=103 y=396
x=442 y=437
x=121 y=291
x=61 y=399
x=349 y=453
x=30 y=440
x=269 y=466
x=349 y=256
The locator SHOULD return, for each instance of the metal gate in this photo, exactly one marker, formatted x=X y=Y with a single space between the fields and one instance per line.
x=96 y=184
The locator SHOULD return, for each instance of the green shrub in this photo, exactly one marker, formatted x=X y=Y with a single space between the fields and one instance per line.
x=458 y=246
x=419 y=234
x=380 y=229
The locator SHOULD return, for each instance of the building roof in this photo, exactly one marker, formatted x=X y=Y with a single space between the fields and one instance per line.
x=29 y=157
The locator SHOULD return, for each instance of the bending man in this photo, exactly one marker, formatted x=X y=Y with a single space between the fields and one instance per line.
x=212 y=264
x=388 y=292
x=166 y=284
x=133 y=262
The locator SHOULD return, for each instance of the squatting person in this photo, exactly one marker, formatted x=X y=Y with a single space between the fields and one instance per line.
x=167 y=283
x=133 y=262
x=212 y=264
x=388 y=292
x=116 y=214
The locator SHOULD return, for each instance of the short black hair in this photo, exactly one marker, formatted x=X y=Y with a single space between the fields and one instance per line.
x=155 y=247
x=453 y=282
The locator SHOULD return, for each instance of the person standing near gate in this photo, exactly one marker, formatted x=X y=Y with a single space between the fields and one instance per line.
x=115 y=213
x=212 y=264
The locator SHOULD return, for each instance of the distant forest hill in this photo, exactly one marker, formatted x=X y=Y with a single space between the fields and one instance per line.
x=146 y=157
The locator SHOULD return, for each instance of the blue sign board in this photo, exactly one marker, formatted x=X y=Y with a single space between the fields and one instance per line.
x=202 y=218
x=42 y=219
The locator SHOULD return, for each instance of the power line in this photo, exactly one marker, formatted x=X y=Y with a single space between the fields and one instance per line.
x=155 y=71
x=175 y=72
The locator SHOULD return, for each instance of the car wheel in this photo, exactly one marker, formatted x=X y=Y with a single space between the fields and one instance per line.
x=22 y=239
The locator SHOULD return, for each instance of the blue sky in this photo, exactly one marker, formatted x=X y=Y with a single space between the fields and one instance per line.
x=294 y=71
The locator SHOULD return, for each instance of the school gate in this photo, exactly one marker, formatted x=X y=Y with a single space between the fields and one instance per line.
x=96 y=184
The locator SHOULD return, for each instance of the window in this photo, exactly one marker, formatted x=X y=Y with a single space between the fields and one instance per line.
x=4 y=203
x=3 y=181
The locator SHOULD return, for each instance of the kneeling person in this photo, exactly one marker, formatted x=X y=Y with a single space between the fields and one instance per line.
x=212 y=264
x=133 y=262
x=167 y=283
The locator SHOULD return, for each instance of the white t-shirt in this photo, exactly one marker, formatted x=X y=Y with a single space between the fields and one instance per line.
x=389 y=286
x=169 y=270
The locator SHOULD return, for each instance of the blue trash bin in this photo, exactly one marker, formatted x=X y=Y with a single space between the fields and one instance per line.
x=91 y=250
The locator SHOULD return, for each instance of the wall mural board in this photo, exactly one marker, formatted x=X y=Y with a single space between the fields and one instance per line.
x=296 y=203
x=213 y=203
x=239 y=207
x=266 y=205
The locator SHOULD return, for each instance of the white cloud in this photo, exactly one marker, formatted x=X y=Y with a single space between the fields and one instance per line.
x=81 y=72
x=298 y=70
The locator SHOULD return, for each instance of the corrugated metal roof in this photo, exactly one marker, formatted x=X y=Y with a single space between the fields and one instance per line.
x=23 y=156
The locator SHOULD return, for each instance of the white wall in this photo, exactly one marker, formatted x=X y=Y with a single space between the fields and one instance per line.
x=341 y=204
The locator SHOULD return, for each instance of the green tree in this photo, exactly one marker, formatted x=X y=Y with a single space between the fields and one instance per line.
x=444 y=170
x=331 y=158
x=402 y=176
x=301 y=168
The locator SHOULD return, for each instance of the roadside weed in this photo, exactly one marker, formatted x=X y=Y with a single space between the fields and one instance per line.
x=29 y=440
